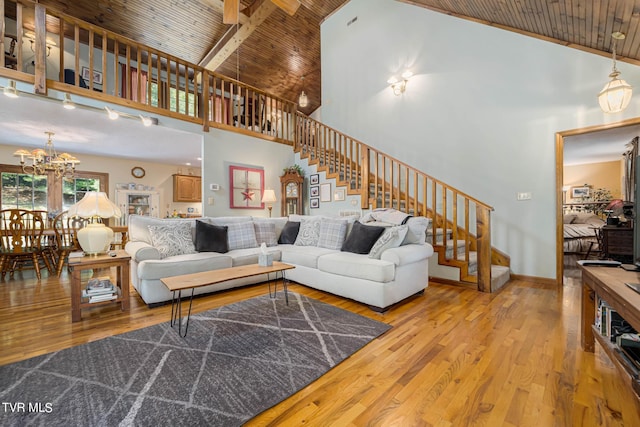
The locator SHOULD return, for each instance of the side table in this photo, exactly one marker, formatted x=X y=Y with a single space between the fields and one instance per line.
x=103 y=261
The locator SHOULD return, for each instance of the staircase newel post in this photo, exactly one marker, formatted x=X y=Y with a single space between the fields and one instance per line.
x=364 y=176
x=483 y=225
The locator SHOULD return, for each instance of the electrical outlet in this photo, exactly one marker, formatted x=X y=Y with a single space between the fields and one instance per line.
x=210 y=200
x=523 y=196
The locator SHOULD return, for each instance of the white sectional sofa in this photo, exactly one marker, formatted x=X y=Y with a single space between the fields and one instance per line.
x=394 y=269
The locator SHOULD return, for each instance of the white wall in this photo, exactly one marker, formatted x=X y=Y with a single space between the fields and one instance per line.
x=223 y=149
x=480 y=112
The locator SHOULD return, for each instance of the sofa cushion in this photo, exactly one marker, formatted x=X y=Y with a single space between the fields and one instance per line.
x=309 y=232
x=332 y=233
x=250 y=256
x=417 y=232
x=279 y=222
x=392 y=237
x=182 y=264
x=172 y=239
x=265 y=233
x=211 y=238
x=362 y=238
x=138 y=226
x=306 y=256
x=226 y=220
x=242 y=235
x=289 y=233
x=358 y=266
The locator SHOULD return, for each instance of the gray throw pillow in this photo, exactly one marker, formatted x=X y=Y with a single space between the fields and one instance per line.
x=392 y=237
x=265 y=233
x=332 y=233
x=172 y=240
x=241 y=235
x=362 y=238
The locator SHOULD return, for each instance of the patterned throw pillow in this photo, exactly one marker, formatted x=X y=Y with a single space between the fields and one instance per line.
x=265 y=233
x=309 y=232
x=171 y=240
x=332 y=233
x=392 y=237
x=242 y=235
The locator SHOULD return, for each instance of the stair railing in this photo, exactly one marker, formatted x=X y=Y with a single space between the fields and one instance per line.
x=460 y=224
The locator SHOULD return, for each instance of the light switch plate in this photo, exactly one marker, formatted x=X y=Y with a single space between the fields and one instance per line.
x=523 y=196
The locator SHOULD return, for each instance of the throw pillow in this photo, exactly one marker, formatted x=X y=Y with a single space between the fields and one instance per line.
x=241 y=235
x=417 y=231
x=289 y=233
x=309 y=232
x=332 y=233
x=171 y=240
x=265 y=233
x=362 y=238
x=392 y=237
x=211 y=238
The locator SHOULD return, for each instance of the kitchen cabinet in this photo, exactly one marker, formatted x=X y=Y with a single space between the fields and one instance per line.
x=187 y=188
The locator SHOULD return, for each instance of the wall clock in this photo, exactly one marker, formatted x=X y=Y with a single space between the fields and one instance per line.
x=137 y=172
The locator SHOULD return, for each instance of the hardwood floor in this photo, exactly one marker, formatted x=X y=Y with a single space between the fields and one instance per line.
x=455 y=357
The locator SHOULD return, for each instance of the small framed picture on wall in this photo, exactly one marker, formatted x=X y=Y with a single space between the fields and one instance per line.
x=314 y=191
x=314 y=203
x=325 y=192
x=314 y=179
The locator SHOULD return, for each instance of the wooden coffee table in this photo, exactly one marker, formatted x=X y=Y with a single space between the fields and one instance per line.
x=177 y=284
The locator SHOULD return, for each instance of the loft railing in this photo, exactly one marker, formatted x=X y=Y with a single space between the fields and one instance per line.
x=56 y=51
x=459 y=222
x=63 y=53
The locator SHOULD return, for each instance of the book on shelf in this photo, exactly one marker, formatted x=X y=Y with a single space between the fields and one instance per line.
x=90 y=294
x=100 y=298
x=76 y=254
x=99 y=283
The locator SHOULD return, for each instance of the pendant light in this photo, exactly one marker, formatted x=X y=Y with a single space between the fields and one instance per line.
x=615 y=95
x=303 y=100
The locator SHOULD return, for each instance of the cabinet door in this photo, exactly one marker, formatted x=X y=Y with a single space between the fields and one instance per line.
x=187 y=188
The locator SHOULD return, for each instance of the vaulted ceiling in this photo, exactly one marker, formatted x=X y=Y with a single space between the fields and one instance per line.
x=282 y=54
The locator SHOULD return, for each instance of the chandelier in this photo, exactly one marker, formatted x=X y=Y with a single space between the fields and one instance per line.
x=615 y=95
x=47 y=160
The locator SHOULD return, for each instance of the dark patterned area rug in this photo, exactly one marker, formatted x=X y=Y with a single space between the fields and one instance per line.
x=236 y=361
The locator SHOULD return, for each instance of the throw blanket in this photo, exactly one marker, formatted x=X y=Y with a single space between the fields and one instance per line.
x=386 y=215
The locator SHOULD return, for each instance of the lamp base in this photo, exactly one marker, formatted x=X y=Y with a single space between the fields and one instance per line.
x=95 y=238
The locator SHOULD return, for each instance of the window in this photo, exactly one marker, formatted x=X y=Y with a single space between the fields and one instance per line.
x=46 y=192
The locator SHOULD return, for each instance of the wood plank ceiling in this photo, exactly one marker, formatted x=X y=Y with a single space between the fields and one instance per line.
x=283 y=49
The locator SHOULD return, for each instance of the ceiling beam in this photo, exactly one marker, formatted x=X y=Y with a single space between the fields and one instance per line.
x=234 y=37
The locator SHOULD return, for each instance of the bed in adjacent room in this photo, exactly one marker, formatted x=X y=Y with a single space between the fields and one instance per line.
x=580 y=232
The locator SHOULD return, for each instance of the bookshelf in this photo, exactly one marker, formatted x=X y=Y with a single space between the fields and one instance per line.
x=608 y=284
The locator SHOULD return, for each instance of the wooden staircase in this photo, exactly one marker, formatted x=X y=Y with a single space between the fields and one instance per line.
x=465 y=256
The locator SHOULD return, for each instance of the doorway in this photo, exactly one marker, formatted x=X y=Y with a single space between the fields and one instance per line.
x=561 y=138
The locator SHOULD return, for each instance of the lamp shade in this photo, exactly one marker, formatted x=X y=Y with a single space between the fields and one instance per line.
x=95 y=238
x=95 y=204
x=615 y=95
x=269 y=196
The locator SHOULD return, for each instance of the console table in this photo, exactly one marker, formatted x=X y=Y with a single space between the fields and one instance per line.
x=608 y=283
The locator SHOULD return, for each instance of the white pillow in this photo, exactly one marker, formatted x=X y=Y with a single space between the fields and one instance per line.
x=392 y=237
x=173 y=239
x=309 y=232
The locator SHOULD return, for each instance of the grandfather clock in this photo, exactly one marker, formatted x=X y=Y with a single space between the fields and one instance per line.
x=291 y=183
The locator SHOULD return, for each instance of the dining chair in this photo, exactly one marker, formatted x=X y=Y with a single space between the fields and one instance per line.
x=66 y=228
x=21 y=233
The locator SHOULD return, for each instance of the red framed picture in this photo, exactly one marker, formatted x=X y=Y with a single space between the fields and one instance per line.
x=247 y=185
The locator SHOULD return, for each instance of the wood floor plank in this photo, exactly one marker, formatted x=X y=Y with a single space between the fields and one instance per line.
x=454 y=357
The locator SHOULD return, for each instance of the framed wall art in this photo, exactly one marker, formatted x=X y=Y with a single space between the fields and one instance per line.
x=314 y=179
x=314 y=203
x=339 y=194
x=580 y=192
x=314 y=191
x=86 y=75
x=325 y=192
x=247 y=185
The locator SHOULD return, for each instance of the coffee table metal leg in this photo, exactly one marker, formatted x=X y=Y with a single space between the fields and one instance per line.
x=176 y=315
x=275 y=286
x=284 y=285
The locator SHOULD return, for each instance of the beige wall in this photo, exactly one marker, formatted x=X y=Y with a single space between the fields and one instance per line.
x=157 y=175
x=598 y=175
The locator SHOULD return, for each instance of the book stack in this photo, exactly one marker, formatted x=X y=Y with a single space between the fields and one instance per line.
x=100 y=289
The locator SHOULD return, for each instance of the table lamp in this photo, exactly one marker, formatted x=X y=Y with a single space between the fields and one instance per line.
x=268 y=197
x=95 y=238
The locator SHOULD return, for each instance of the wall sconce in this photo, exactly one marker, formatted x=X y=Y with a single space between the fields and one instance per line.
x=32 y=39
x=398 y=86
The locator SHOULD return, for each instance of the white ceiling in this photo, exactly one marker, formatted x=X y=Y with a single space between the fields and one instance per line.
x=601 y=146
x=88 y=130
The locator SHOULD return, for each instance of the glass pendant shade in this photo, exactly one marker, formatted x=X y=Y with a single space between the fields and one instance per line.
x=616 y=95
x=303 y=100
